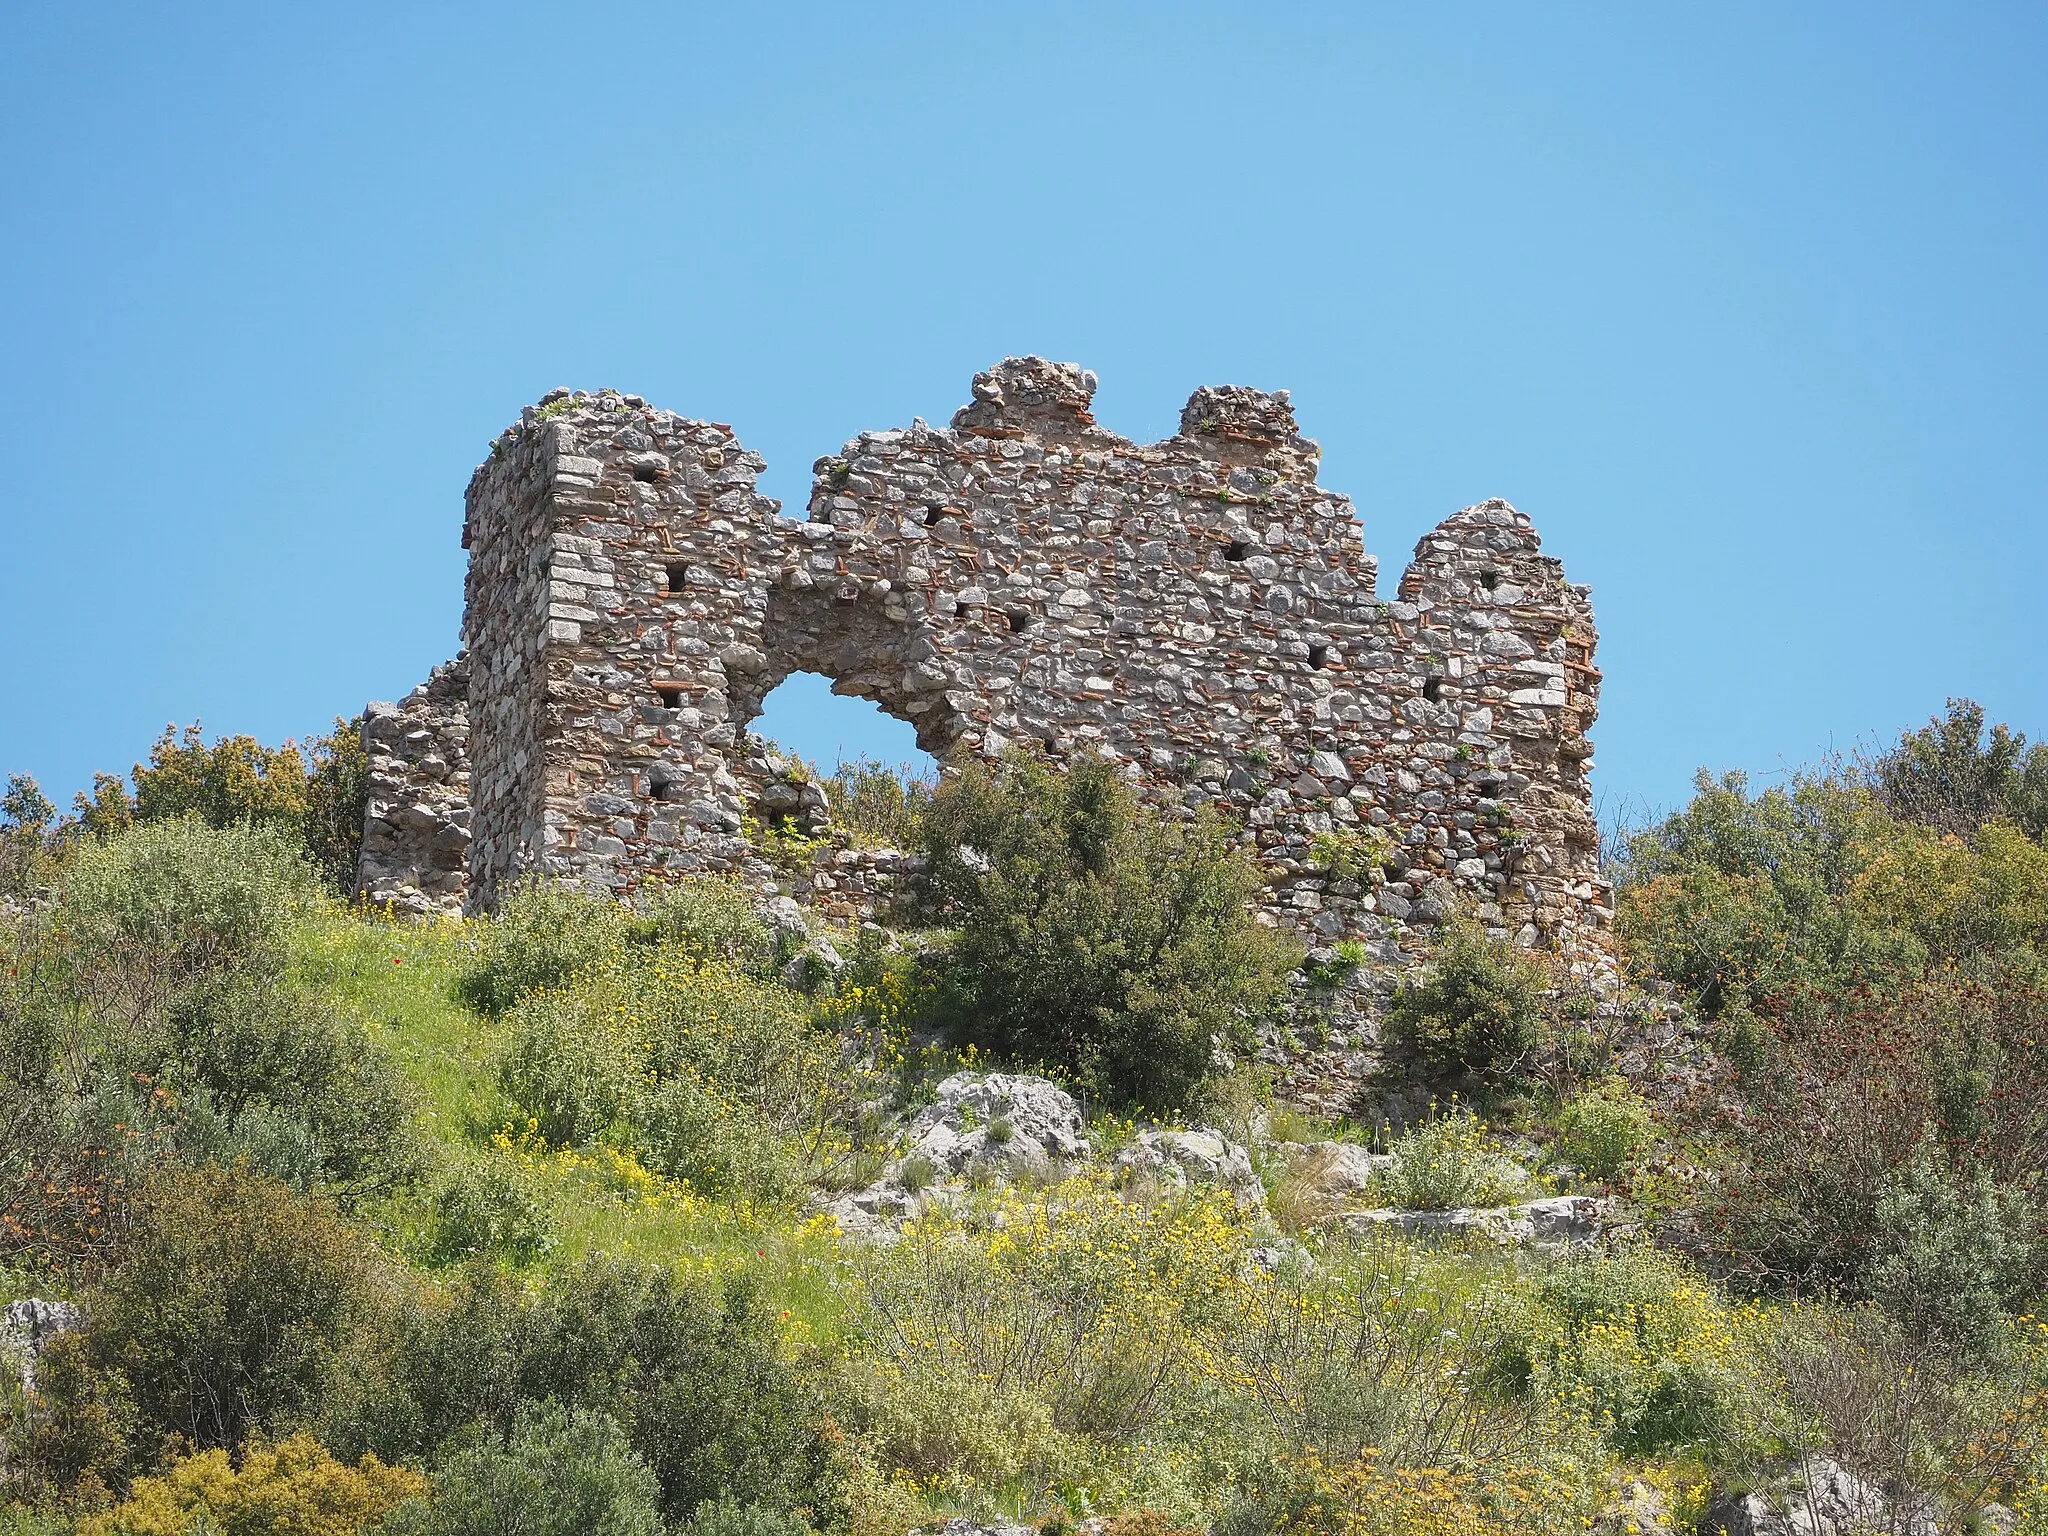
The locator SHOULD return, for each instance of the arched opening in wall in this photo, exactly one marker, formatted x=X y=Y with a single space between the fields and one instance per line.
x=860 y=695
x=826 y=760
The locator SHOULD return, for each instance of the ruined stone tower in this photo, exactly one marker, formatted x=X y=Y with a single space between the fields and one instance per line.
x=1198 y=609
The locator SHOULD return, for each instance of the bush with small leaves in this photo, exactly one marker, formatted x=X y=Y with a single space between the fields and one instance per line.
x=1092 y=932
x=711 y=1073
x=710 y=1395
x=726 y=1516
x=543 y=935
x=560 y=1472
x=713 y=917
x=1661 y=1360
x=1949 y=1251
x=488 y=1207
x=232 y=1308
x=292 y=1488
x=879 y=804
x=145 y=915
x=1604 y=1129
x=1447 y=1163
x=1476 y=1016
x=1954 y=776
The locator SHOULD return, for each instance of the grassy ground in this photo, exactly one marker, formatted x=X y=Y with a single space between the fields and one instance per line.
x=400 y=980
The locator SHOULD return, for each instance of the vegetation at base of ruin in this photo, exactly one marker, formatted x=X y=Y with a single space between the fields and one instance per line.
x=1479 y=1014
x=1090 y=933
x=447 y=1227
x=1351 y=853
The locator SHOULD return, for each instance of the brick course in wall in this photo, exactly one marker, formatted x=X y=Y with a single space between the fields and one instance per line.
x=1199 y=609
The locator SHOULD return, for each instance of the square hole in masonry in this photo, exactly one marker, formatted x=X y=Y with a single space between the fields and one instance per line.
x=670 y=693
x=675 y=576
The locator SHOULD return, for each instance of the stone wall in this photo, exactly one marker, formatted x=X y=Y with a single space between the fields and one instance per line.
x=1199 y=609
x=416 y=830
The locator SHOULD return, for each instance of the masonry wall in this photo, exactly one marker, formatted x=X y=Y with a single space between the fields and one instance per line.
x=1199 y=608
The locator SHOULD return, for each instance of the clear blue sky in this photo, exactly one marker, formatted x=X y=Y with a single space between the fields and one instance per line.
x=1744 y=304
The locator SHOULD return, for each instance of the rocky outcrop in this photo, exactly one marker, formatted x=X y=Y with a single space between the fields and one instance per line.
x=1823 y=1498
x=1556 y=1222
x=1333 y=1170
x=1008 y=1120
x=1175 y=1159
x=26 y=1329
x=1012 y=1126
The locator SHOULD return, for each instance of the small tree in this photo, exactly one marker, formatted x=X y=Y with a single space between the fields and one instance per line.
x=1094 y=933
x=25 y=814
x=237 y=779
x=337 y=796
x=1476 y=1016
x=231 y=1307
x=561 y=1472
x=1955 y=777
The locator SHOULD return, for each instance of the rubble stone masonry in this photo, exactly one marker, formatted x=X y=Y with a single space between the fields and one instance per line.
x=1199 y=609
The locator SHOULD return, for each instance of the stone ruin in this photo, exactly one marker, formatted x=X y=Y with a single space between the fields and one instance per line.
x=1200 y=610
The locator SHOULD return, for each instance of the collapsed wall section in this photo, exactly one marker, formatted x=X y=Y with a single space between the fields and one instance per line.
x=1198 y=609
x=416 y=836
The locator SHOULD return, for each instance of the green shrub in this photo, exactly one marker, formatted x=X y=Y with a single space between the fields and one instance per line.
x=489 y=1208
x=1950 y=1248
x=1350 y=853
x=1477 y=1015
x=714 y=917
x=1446 y=1163
x=711 y=1074
x=560 y=1472
x=266 y=1073
x=151 y=1012
x=1951 y=776
x=1657 y=1357
x=1094 y=933
x=337 y=799
x=1738 y=898
x=877 y=803
x=573 y=1064
x=1605 y=1129
x=728 y=1517
x=1829 y=1101
x=232 y=1307
x=169 y=903
x=543 y=934
x=25 y=855
x=710 y=1397
x=293 y=1488
x=724 y=1149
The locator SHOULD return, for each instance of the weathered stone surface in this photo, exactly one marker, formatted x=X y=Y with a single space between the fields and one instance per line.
x=1822 y=1498
x=1337 y=1169
x=1001 y=1117
x=416 y=830
x=1202 y=1156
x=1558 y=1221
x=999 y=1123
x=27 y=1327
x=1197 y=609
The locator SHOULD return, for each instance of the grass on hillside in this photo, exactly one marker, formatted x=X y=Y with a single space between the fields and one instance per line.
x=400 y=980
